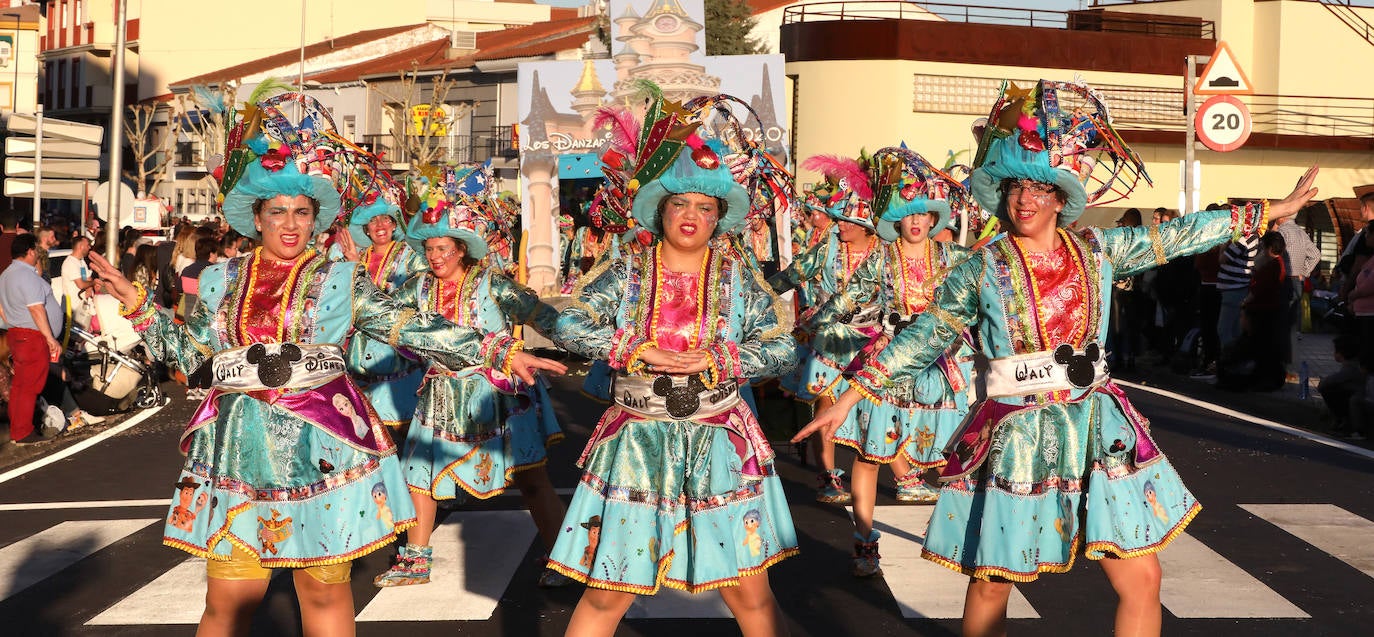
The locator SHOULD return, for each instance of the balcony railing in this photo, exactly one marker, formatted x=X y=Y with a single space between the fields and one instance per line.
x=1087 y=20
x=1148 y=108
x=459 y=149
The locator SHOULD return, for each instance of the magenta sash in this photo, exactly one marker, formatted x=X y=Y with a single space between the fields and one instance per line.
x=336 y=407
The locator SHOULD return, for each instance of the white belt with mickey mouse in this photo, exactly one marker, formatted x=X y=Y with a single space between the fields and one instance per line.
x=1063 y=368
x=276 y=366
x=674 y=397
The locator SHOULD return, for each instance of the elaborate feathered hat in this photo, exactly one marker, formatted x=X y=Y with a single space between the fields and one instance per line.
x=671 y=152
x=382 y=198
x=453 y=202
x=845 y=191
x=904 y=183
x=1056 y=133
x=269 y=155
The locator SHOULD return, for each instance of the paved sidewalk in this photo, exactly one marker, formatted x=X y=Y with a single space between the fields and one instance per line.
x=1285 y=405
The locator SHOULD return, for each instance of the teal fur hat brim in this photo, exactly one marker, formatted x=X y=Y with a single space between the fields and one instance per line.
x=363 y=214
x=887 y=224
x=836 y=212
x=418 y=231
x=683 y=177
x=1005 y=159
x=259 y=183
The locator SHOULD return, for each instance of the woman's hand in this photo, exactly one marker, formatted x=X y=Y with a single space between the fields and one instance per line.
x=346 y=245
x=524 y=365
x=663 y=361
x=1302 y=193
x=118 y=286
x=830 y=418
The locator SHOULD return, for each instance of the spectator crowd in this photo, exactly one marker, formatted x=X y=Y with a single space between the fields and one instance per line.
x=44 y=294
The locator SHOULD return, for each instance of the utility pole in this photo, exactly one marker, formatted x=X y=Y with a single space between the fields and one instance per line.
x=1190 y=138
x=116 y=135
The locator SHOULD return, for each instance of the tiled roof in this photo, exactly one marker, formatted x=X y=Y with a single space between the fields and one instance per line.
x=291 y=56
x=423 y=55
x=535 y=39
x=566 y=42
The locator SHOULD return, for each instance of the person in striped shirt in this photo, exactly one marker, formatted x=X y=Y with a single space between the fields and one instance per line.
x=1233 y=281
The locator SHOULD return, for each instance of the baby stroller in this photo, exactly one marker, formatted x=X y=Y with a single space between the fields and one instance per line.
x=118 y=380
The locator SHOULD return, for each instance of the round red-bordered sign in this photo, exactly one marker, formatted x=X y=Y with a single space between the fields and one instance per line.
x=1223 y=123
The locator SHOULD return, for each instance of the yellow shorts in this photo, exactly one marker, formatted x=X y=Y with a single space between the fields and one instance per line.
x=243 y=565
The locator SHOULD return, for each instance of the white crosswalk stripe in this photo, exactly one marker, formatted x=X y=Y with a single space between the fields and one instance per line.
x=173 y=598
x=36 y=558
x=923 y=588
x=1194 y=573
x=1330 y=528
x=477 y=554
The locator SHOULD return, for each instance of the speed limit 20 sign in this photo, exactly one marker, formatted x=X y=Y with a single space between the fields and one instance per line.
x=1223 y=123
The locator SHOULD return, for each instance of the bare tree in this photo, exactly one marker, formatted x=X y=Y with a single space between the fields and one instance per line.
x=206 y=116
x=421 y=140
x=150 y=143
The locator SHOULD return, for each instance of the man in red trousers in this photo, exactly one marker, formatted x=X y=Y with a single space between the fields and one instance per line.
x=33 y=314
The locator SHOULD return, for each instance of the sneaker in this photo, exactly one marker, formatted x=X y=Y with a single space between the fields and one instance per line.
x=411 y=567
x=831 y=489
x=912 y=489
x=866 y=557
x=1206 y=373
x=81 y=418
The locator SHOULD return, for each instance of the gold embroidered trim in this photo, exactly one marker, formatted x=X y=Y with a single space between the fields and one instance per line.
x=945 y=317
x=1157 y=243
x=401 y=319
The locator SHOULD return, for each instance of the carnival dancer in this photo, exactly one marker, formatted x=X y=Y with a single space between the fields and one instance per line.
x=1056 y=460
x=477 y=429
x=846 y=197
x=909 y=427
x=375 y=239
x=679 y=487
x=293 y=479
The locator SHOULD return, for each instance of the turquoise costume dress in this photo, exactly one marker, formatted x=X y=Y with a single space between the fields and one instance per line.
x=1056 y=460
x=285 y=458
x=915 y=418
x=389 y=377
x=824 y=267
x=477 y=426
x=679 y=487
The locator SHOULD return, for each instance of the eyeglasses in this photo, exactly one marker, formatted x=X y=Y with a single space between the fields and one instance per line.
x=1036 y=189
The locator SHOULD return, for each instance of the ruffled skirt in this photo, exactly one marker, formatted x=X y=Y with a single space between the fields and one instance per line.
x=665 y=503
x=284 y=490
x=468 y=436
x=1059 y=479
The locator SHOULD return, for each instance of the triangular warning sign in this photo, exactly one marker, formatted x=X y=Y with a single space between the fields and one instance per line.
x=1223 y=75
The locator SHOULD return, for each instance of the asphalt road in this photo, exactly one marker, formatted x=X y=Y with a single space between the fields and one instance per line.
x=1282 y=547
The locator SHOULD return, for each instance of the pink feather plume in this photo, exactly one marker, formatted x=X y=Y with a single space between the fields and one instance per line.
x=841 y=168
x=624 y=129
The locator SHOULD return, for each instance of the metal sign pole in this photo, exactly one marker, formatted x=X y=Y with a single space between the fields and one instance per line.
x=1190 y=138
x=37 y=167
x=116 y=136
